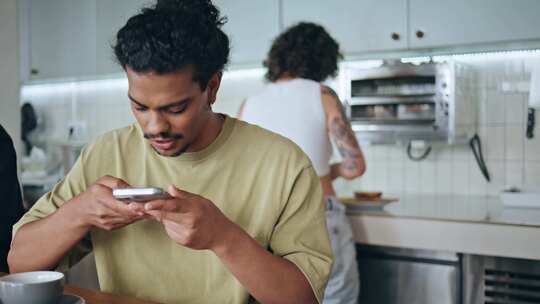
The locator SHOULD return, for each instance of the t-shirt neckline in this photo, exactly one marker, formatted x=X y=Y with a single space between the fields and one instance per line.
x=226 y=130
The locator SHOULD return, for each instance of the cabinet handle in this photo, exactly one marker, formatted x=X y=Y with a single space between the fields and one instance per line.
x=34 y=71
x=420 y=34
x=395 y=36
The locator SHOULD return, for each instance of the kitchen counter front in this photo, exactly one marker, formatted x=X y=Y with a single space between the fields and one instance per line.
x=466 y=224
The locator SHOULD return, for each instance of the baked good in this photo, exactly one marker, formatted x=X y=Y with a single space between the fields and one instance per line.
x=367 y=196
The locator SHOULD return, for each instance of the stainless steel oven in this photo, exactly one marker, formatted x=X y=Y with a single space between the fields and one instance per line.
x=408 y=276
x=405 y=102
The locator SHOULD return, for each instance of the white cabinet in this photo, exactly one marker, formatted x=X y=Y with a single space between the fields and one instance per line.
x=251 y=26
x=368 y=26
x=357 y=25
x=443 y=23
x=62 y=38
x=111 y=16
x=73 y=38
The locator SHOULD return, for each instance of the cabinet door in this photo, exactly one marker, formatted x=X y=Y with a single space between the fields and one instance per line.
x=358 y=25
x=251 y=27
x=436 y=23
x=111 y=16
x=62 y=38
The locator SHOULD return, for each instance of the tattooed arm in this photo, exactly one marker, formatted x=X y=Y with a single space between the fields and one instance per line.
x=353 y=164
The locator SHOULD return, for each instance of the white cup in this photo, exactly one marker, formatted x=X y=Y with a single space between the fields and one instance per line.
x=36 y=287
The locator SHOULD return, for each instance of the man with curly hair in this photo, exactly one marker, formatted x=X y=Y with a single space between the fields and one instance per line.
x=245 y=221
x=297 y=106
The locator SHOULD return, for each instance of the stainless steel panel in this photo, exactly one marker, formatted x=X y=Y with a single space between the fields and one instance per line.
x=390 y=100
x=393 y=70
x=404 y=276
x=490 y=280
x=388 y=134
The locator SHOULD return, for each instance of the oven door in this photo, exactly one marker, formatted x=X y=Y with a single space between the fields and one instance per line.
x=394 y=111
x=397 y=119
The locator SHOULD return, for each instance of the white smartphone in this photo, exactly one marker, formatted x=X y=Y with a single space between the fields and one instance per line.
x=140 y=195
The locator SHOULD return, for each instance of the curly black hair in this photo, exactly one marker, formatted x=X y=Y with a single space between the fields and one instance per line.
x=172 y=35
x=304 y=50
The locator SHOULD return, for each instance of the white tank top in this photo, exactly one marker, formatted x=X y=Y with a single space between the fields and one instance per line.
x=294 y=109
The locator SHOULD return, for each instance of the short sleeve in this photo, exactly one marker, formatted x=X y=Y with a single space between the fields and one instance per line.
x=301 y=236
x=70 y=186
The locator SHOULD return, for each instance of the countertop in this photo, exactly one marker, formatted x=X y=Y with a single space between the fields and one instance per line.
x=463 y=224
x=475 y=209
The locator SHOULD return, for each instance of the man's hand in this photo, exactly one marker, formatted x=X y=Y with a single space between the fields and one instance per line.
x=190 y=220
x=195 y=222
x=57 y=233
x=101 y=209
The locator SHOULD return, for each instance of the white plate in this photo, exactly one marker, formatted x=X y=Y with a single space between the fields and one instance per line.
x=71 y=299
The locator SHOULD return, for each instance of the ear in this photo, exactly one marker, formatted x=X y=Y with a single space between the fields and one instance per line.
x=213 y=87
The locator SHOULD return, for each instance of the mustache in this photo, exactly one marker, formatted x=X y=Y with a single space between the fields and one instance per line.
x=164 y=135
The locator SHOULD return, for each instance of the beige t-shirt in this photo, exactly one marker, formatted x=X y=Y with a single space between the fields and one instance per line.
x=258 y=179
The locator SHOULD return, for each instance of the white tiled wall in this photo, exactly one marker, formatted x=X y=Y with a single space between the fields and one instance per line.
x=512 y=159
x=103 y=105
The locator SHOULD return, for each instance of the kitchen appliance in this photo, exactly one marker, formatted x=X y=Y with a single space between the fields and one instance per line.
x=400 y=102
x=491 y=280
x=396 y=275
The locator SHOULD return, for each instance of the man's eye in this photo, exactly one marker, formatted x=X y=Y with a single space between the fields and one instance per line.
x=141 y=109
x=177 y=110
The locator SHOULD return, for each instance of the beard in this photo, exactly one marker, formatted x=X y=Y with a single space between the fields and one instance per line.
x=166 y=135
x=181 y=151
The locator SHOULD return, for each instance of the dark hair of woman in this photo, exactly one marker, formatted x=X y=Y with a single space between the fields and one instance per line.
x=305 y=50
x=172 y=35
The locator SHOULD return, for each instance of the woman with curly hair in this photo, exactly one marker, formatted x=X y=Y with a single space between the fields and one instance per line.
x=296 y=105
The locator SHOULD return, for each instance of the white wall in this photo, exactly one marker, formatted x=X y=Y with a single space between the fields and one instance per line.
x=103 y=105
x=9 y=70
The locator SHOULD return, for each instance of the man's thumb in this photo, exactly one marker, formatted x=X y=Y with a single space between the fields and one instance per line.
x=174 y=191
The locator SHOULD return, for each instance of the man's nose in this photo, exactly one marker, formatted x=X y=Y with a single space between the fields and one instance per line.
x=157 y=124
